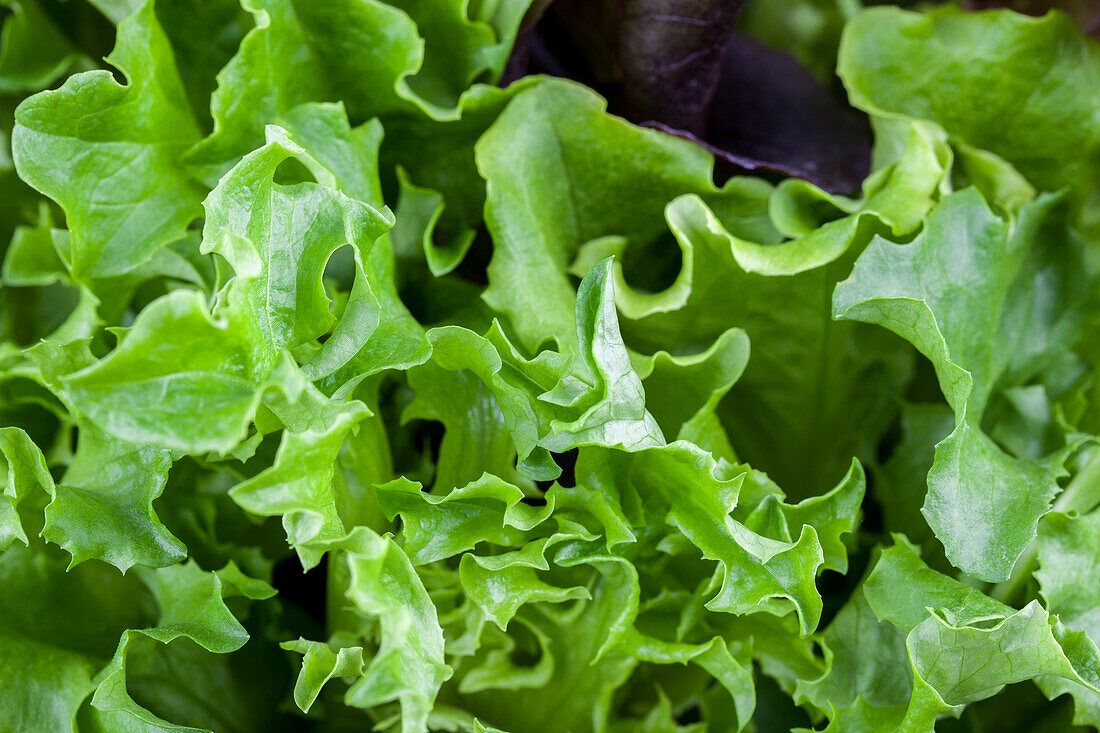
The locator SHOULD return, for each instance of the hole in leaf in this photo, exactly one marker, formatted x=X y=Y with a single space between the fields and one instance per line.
x=292 y=171
x=341 y=267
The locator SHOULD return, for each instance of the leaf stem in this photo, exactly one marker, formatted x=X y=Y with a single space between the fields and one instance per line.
x=1081 y=496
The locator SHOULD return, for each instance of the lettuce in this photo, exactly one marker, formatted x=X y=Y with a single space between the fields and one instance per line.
x=512 y=365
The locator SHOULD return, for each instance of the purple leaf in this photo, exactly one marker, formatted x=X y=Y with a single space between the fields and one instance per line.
x=675 y=66
x=769 y=112
x=671 y=54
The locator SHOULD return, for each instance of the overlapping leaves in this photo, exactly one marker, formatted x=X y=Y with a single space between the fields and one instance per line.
x=572 y=438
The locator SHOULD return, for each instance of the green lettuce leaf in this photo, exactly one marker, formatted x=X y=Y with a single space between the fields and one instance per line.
x=563 y=133
x=408 y=666
x=1001 y=278
x=35 y=53
x=200 y=357
x=1030 y=83
x=65 y=139
x=1067 y=558
x=959 y=647
x=278 y=239
x=423 y=57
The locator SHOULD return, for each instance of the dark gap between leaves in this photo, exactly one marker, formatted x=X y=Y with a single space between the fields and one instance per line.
x=567 y=462
x=474 y=267
x=307 y=589
x=690 y=715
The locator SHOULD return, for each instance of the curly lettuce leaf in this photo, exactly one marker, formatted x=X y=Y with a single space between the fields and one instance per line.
x=559 y=192
x=423 y=55
x=201 y=360
x=1029 y=83
x=958 y=644
x=1004 y=303
x=278 y=239
x=408 y=666
x=1068 y=552
x=65 y=139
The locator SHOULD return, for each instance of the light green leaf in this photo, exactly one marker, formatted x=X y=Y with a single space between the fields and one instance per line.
x=103 y=506
x=299 y=484
x=962 y=646
x=376 y=332
x=832 y=515
x=278 y=49
x=1003 y=303
x=320 y=663
x=65 y=139
x=25 y=474
x=500 y=591
x=1031 y=83
x=190 y=603
x=199 y=360
x=558 y=401
x=279 y=239
x=438 y=527
x=899 y=570
x=753 y=570
x=618 y=417
x=423 y=54
x=555 y=165
x=1069 y=550
x=408 y=666
x=958 y=665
